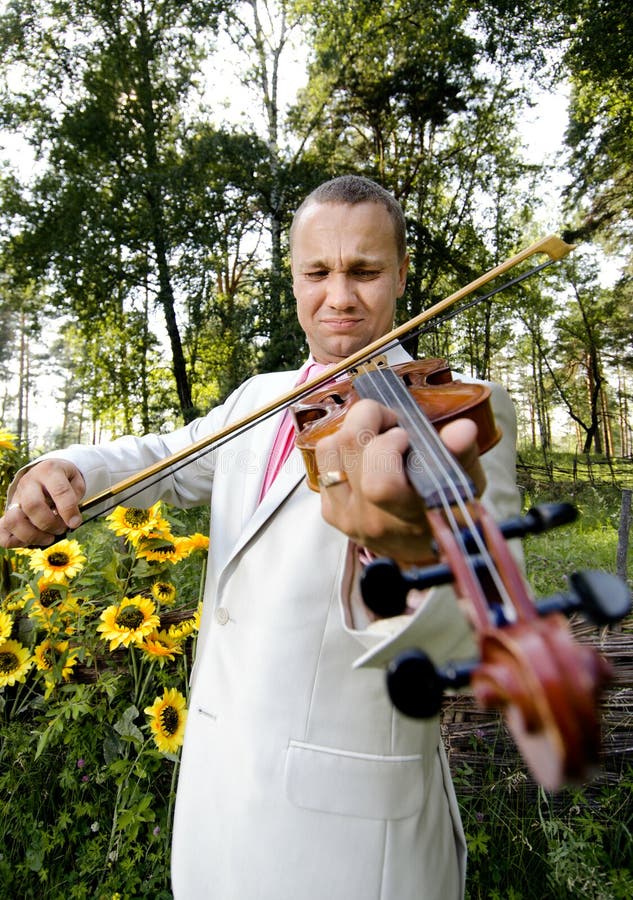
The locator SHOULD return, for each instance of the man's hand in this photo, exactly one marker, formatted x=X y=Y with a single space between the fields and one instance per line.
x=45 y=504
x=374 y=504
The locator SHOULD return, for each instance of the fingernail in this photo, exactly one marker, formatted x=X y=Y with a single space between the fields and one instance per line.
x=75 y=522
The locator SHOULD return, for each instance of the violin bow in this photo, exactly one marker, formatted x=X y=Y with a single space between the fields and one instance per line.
x=552 y=246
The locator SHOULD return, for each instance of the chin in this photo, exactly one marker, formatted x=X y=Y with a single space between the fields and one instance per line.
x=348 y=345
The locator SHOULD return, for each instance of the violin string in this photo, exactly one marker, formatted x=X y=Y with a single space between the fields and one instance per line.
x=451 y=472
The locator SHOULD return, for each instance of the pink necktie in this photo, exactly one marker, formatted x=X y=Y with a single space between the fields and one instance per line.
x=284 y=439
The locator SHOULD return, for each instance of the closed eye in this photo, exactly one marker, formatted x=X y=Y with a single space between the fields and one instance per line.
x=365 y=274
x=316 y=274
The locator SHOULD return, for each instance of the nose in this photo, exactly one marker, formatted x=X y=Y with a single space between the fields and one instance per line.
x=340 y=291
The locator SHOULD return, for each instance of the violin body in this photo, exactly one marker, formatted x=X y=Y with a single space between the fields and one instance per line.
x=429 y=382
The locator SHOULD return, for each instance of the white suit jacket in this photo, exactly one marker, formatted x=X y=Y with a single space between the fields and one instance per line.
x=299 y=780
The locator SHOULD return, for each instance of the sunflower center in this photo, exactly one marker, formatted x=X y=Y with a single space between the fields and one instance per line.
x=58 y=558
x=169 y=719
x=130 y=617
x=9 y=663
x=49 y=596
x=166 y=549
x=163 y=590
x=136 y=517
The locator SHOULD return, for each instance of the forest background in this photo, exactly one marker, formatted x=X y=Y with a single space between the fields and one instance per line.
x=145 y=274
x=144 y=248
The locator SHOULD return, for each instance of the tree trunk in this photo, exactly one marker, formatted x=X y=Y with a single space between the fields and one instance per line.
x=159 y=239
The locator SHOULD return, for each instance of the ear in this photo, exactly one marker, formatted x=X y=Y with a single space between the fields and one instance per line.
x=403 y=268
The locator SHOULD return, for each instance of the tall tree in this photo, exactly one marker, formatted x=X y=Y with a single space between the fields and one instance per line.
x=587 y=43
x=262 y=33
x=221 y=230
x=103 y=97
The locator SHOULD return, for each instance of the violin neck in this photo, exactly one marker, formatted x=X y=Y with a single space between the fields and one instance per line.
x=431 y=469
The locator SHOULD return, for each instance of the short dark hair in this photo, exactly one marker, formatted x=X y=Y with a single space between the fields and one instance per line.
x=354 y=189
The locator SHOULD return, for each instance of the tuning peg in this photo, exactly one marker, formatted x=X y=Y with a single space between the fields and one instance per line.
x=549 y=515
x=384 y=587
x=536 y=520
x=601 y=597
x=416 y=686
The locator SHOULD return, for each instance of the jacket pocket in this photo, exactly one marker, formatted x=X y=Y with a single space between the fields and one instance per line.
x=354 y=784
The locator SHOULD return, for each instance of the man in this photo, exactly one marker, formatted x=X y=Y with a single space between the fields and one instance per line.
x=298 y=779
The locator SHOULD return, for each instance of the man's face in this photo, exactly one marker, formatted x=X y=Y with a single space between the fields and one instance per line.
x=346 y=276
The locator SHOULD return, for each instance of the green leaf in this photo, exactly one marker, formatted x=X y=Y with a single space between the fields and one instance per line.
x=126 y=727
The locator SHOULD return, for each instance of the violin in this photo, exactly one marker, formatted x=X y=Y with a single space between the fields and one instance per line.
x=546 y=685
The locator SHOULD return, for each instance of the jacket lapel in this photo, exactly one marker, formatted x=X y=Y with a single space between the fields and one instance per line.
x=255 y=514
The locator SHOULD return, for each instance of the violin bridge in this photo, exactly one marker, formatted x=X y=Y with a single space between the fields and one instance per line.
x=370 y=365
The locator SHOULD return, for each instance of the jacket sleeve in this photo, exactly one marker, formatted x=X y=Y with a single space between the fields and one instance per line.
x=438 y=626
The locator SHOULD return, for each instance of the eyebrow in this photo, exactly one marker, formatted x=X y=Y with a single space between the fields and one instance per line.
x=358 y=262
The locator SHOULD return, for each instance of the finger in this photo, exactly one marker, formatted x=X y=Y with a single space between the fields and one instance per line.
x=364 y=420
x=343 y=450
x=16 y=530
x=460 y=438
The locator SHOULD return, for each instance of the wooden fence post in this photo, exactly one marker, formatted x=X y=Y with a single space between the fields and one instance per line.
x=623 y=534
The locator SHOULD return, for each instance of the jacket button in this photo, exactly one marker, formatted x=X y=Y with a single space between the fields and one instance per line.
x=222 y=615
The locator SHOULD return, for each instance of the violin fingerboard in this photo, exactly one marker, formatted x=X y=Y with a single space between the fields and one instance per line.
x=432 y=470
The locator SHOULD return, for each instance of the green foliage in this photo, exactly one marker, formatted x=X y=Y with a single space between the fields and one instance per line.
x=591 y=541
x=526 y=844
x=400 y=96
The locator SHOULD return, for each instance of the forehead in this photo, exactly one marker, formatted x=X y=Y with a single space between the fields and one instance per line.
x=359 y=229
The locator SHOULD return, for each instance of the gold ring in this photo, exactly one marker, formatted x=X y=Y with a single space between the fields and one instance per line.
x=13 y=506
x=329 y=479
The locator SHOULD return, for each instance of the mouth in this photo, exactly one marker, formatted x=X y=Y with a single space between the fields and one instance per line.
x=339 y=325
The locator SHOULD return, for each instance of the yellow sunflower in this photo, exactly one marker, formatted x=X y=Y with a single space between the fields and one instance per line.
x=52 y=604
x=186 y=627
x=198 y=541
x=168 y=715
x=48 y=653
x=134 y=523
x=128 y=622
x=7 y=440
x=161 y=645
x=164 y=548
x=60 y=562
x=15 y=661
x=164 y=592
x=15 y=600
x=6 y=626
